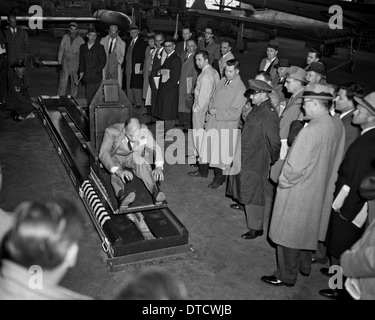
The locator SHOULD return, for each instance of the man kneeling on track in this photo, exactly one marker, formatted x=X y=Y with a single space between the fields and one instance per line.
x=127 y=147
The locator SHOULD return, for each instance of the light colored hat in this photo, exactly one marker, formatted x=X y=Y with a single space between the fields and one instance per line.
x=318 y=91
x=367 y=102
x=74 y=24
x=297 y=73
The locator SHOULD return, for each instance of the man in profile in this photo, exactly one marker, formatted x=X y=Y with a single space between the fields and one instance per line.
x=123 y=152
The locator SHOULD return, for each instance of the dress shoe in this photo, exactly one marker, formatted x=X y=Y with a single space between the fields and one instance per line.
x=304 y=274
x=150 y=123
x=197 y=174
x=185 y=130
x=325 y=271
x=274 y=281
x=237 y=206
x=321 y=261
x=215 y=185
x=138 y=107
x=127 y=199
x=159 y=197
x=330 y=293
x=252 y=234
x=195 y=165
x=15 y=116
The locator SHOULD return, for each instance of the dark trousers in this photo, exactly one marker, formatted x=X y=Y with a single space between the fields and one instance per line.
x=3 y=76
x=91 y=90
x=184 y=119
x=219 y=177
x=290 y=262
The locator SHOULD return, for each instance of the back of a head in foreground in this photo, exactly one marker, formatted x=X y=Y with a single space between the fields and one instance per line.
x=152 y=284
x=43 y=233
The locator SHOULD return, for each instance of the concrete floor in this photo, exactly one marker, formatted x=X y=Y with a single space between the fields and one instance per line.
x=226 y=267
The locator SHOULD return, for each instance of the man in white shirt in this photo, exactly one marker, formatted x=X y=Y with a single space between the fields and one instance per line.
x=226 y=52
x=271 y=60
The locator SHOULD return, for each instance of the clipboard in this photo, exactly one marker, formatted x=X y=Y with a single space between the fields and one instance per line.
x=157 y=81
x=137 y=68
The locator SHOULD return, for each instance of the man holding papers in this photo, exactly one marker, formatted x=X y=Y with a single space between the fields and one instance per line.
x=167 y=97
x=348 y=217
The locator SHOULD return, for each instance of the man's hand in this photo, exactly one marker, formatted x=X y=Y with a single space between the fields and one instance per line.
x=34 y=99
x=158 y=174
x=81 y=74
x=124 y=175
x=212 y=111
x=36 y=105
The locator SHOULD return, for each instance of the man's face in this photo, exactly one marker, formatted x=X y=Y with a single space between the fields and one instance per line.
x=186 y=34
x=159 y=40
x=12 y=22
x=309 y=106
x=191 y=47
x=342 y=103
x=133 y=131
x=282 y=71
x=134 y=33
x=201 y=62
x=20 y=71
x=313 y=77
x=92 y=37
x=169 y=47
x=361 y=116
x=151 y=42
x=257 y=98
x=113 y=32
x=225 y=48
x=291 y=85
x=231 y=72
x=271 y=53
x=208 y=34
x=311 y=57
x=73 y=31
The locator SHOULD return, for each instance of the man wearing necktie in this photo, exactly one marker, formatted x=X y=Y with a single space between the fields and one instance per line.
x=181 y=47
x=226 y=55
x=18 y=46
x=129 y=148
x=271 y=60
x=115 y=50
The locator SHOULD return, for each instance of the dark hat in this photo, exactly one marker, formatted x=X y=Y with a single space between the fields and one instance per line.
x=170 y=39
x=257 y=86
x=151 y=35
x=318 y=91
x=283 y=63
x=317 y=67
x=367 y=102
x=18 y=64
x=74 y=24
x=91 y=30
x=133 y=27
x=297 y=73
x=273 y=44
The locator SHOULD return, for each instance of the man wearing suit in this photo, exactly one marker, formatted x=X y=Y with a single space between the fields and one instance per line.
x=114 y=48
x=157 y=61
x=92 y=60
x=181 y=47
x=279 y=83
x=208 y=44
x=18 y=46
x=226 y=55
x=268 y=63
x=345 y=106
x=187 y=83
x=167 y=99
x=295 y=84
x=135 y=58
x=359 y=162
x=203 y=93
x=123 y=149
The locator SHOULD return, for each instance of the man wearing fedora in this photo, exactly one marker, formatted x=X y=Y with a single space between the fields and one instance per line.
x=295 y=84
x=271 y=60
x=305 y=191
x=260 y=147
x=18 y=100
x=114 y=48
x=316 y=73
x=345 y=226
x=68 y=60
x=92 y=60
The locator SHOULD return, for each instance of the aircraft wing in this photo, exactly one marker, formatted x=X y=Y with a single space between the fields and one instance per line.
x=249 y=21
